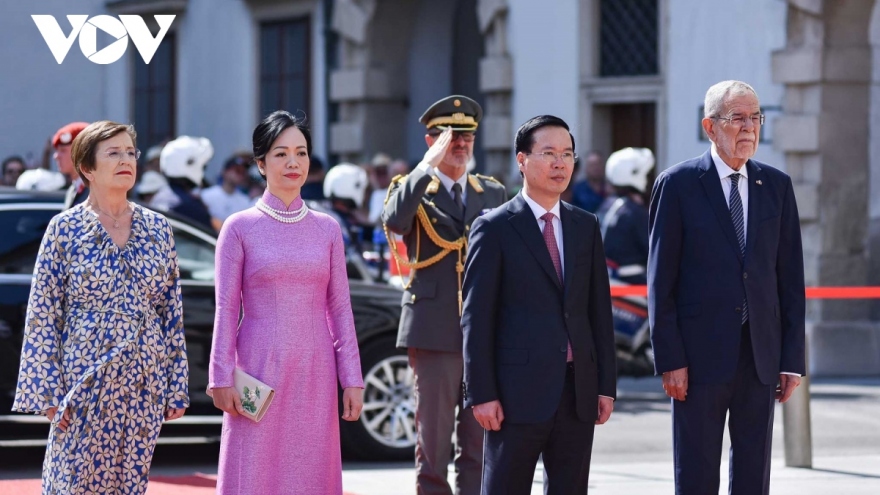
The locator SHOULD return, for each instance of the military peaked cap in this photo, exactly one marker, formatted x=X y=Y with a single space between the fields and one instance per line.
x=456 y=111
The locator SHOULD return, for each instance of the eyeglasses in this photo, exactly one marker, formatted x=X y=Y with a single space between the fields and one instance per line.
x=117 y=155
x=550 y=157
x=740 y=120
x=468 y=136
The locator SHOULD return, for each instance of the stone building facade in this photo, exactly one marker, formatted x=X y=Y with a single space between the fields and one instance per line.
x=621 y=72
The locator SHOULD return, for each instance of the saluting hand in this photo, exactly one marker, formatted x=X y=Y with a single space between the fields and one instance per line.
x=490 y=415
x=437 y=151
x=675 y=383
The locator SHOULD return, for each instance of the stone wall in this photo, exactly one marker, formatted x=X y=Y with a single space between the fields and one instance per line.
x=826 y=67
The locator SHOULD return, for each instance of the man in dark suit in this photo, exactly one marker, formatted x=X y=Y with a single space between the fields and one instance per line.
x=726 y=297
x=539 y=354
x=433 y=208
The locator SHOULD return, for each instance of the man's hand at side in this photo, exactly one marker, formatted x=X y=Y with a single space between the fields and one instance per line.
x=675 y=383
x=787 y=384
x=606 y=405
x=490 y=415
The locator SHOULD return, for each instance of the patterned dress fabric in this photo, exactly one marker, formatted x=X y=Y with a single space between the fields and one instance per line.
x=103 y=339
x=296 y=335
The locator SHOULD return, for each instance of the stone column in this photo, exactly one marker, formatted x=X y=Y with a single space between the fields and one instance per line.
x=826 y=67
x=496 y=82
x=368 y=85
x=874 y=157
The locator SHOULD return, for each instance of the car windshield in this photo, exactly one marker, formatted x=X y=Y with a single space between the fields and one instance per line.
x=22 y=232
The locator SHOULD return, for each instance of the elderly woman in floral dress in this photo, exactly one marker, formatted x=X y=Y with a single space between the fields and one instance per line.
x=104 y=356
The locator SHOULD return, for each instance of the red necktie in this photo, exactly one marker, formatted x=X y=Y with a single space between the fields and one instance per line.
x=553 y=248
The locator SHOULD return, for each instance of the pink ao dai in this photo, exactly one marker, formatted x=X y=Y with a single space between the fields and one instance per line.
x=297 y=335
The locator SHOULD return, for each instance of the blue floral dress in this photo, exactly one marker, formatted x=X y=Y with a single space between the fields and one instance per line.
x=103 y=339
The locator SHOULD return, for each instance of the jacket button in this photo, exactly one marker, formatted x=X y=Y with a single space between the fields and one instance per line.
x=738 y=309
x=745 y=275
x=566 y=315
x=433 y=220
x=413 y=298
x=563 y=348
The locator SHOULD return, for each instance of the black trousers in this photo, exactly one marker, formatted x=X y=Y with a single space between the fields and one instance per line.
x=698 y=431
x=510 y=455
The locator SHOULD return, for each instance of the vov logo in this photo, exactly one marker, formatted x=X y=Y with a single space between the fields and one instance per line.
x=127 y=26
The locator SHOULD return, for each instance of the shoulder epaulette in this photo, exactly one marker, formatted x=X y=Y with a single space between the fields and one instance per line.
x=434 y=186
x=399 y=178
x=475 y=183
x=490 y=178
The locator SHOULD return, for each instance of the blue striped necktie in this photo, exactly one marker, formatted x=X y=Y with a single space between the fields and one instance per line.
x=736 y=214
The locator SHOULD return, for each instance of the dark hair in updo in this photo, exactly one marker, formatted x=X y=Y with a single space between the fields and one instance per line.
x=272 y=126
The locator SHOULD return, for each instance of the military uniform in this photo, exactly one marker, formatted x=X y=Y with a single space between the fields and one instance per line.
x=434 y=228
x=77 y=192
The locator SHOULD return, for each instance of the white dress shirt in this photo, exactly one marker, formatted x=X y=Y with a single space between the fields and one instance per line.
x=446 y=180
x=539 y=211
x=724 y=172
x=448 y=183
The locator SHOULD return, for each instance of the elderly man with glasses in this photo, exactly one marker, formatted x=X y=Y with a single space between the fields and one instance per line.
x=433 y=208
x=726 y=297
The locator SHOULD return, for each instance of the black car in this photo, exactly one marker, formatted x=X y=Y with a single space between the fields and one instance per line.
x=386 y=429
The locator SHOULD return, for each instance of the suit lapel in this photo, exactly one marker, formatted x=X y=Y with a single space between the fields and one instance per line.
x=756 y=203
x=474 y=204
x=443 y=200
x=712 y=185
x=524 y=222
x=570 y=241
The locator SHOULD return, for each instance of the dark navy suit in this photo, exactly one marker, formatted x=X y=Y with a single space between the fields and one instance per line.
x=698 y=279
x=517 y=320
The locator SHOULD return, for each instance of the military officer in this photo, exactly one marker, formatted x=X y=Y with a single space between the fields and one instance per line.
x=62 y=141
x=432 y=208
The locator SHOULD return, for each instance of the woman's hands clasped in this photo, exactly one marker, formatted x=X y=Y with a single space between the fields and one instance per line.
x=352 y=403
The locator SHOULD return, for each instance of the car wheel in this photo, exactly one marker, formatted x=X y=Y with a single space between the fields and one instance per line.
x=386 y=429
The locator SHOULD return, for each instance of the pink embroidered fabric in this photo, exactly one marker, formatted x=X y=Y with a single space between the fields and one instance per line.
x=296 y=335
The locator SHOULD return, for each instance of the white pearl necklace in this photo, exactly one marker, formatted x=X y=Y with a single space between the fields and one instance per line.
x=281 y=215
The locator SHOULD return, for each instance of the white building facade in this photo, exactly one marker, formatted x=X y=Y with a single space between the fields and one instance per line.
x=620 y=72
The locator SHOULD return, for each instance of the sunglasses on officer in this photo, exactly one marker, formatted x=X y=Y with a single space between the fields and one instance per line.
x=468 y=136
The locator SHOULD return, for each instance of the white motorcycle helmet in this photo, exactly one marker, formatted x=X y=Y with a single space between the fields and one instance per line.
x=346 y=181
x=630 y=167
x=40 y=179
x=186 y=158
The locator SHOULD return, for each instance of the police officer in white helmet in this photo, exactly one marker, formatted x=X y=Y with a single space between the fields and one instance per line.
x=345 y=187
x=625 y=226
x=40 y=179
x=183 y=162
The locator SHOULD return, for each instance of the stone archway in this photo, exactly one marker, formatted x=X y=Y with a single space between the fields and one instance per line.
x=372 y=91
x=826 y=67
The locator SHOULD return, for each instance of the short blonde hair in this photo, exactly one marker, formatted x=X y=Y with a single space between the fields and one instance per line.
x=85 y=145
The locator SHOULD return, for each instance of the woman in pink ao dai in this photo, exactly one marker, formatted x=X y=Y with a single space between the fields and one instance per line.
x=283 y=265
